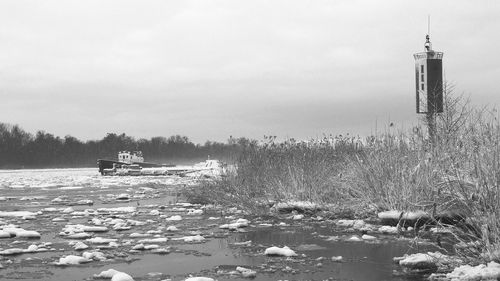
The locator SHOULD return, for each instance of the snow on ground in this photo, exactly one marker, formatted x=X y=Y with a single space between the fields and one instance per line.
x=296 y=205
x=277 y=251
x=490 y=271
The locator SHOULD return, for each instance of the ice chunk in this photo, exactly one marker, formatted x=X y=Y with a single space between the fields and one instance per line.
x=139 y=235
x=246 y=272
x=100 y=240
x=174 y=218
x=17 y=214
x=368 y=237
x=118 y=210
x=154 y=240
x=12 y=251
x=337 y=258
x=28 y=234
x=4 y=234
x=115 y=275
x=195 y=212
x=80 y=246
x=239 y=223
x=354 y=238
x=94 y=256
x=191 y=239
x=72 y=259
x=277 y=251
x=388 y=229
x=172 y=228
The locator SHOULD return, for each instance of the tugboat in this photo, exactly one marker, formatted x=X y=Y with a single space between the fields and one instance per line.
x=132 y=161
x=132 y=164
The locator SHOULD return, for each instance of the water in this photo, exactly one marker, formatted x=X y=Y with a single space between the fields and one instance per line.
x=154 y=199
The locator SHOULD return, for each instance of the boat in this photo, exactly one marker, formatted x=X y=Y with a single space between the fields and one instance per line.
x=125 y=160
x=132 y=164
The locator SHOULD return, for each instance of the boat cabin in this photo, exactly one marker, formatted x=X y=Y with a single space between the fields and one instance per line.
x=130 y=157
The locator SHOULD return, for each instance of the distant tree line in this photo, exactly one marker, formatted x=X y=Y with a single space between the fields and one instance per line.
x=20 y=149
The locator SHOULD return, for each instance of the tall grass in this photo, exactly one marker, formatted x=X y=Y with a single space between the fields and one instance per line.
x=458 y=171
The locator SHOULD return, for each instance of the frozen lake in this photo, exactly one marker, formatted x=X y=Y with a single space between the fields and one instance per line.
x=141 y=226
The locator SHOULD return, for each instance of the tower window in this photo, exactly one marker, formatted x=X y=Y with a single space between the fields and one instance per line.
x=422 y=78
x=422 y=68
x=422 y=86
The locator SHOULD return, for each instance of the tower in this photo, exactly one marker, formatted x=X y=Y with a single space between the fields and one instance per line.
x=429 y=85
x=429 y=80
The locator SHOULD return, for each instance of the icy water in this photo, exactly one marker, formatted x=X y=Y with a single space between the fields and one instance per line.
x=131 y=209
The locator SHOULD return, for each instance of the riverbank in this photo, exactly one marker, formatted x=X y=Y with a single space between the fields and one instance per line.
x=451 y=180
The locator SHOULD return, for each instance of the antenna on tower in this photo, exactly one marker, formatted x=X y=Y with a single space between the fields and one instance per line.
x=428 y=44
x=429 y=25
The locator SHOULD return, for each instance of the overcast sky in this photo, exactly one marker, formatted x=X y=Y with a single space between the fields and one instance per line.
x=211 y=69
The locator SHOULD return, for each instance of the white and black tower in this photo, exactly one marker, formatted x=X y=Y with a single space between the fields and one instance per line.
x=429 y=83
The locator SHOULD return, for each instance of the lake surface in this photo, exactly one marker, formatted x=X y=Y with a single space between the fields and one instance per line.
x=144 y=206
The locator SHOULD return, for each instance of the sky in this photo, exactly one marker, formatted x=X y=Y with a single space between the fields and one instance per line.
x=214 y=69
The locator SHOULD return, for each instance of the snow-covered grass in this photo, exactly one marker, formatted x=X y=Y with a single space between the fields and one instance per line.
x=405 y=173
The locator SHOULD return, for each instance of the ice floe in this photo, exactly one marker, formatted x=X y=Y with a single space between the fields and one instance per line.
x=154 y=240
x=239 y=223
x=388 y=229
x=174 y=218
x=114 y=275
x=72 y=260
x=277 y=251
x=101 y=240
x=354 y=238
x=427 y=260
x=22 y=214
x=78 y=245
x=246 y=272
x=355 y=224
x=18 y=232
x=296 y=206
x=191 y=239
x=118 y=210
x=337 y=258
x=199 y=279
x=172 y=228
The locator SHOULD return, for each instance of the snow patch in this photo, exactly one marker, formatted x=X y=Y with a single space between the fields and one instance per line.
x=490 y=271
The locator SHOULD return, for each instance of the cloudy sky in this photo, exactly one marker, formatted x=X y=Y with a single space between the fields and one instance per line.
x=210 y=69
